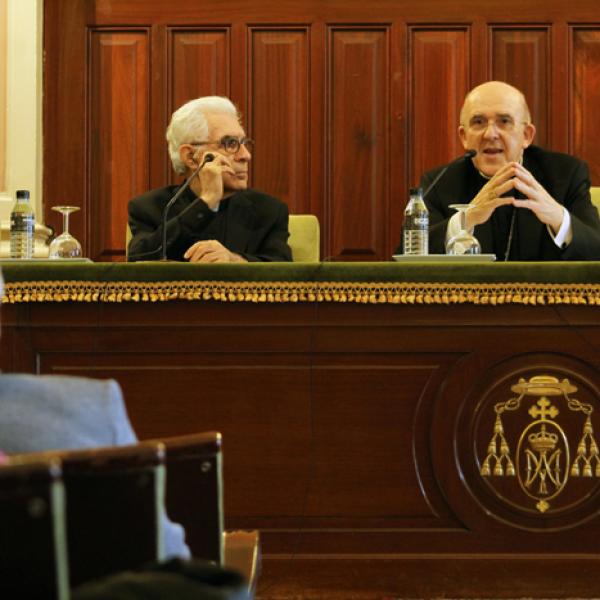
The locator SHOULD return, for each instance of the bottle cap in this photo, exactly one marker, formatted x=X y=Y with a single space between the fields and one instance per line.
x=22 y=194
x=416 y=191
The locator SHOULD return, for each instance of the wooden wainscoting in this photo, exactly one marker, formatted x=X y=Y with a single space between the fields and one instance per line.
x=354 y=435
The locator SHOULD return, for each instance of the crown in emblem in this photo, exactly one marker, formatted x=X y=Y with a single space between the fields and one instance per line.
x=542 y=440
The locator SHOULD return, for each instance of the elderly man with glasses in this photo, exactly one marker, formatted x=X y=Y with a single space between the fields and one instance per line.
x=526 y=203
x=217 y=218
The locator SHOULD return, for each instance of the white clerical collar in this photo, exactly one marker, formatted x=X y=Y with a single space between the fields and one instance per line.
x=490 y=176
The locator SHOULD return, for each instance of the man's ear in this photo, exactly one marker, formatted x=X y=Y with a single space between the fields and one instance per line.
x=462 y=134
x=528 y=135
x=187 y=154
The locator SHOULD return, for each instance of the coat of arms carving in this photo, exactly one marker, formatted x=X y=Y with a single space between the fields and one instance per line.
x=543 y=458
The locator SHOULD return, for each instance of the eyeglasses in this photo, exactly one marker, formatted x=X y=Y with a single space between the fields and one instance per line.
x=502 y=123
x=229 y=143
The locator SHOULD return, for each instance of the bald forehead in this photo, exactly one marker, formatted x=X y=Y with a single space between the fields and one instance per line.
x=495 y=97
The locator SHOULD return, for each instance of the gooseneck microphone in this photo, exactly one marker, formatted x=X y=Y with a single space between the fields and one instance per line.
x=468 y=154
x=208 y=157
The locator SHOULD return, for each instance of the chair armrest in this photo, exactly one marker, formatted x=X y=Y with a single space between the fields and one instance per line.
x=242 y=553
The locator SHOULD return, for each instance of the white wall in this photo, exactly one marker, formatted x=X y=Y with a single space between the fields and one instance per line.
x=24 y=56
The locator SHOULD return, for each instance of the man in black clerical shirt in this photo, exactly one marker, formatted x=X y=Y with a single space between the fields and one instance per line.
x=217 y=219
x=526 y=203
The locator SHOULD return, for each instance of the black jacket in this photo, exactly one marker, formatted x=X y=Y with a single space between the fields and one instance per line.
x=564 y=177
x=257 y=225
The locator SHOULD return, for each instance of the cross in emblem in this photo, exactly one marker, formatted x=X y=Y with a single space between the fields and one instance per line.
x=546 y=409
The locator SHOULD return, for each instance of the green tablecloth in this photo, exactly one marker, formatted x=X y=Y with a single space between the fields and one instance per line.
x=493 y=283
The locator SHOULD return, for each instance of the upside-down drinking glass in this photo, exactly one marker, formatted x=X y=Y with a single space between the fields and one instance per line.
x=463 y=242
x=65 y=245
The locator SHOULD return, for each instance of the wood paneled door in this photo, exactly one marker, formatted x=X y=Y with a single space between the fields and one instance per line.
x=348 y=101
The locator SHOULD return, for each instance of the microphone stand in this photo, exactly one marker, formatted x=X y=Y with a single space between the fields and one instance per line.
x=467 y=154
x=207 y=158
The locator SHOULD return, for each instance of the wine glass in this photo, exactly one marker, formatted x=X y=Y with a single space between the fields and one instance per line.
x=65 y=245
x=463 y=242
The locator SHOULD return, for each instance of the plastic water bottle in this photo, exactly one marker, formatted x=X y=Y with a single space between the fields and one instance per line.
x=415 y=236
x=22 y=227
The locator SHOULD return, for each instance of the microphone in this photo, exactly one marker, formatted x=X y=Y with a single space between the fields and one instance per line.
x=468 y=154
x=208 y=157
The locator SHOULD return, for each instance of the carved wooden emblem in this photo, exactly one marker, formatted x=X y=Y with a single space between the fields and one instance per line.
x=542 y=457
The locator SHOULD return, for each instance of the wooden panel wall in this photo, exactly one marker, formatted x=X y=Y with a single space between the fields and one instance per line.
x=358 y=141
x=119 y=132
x=521 y=56
x=279 y=71
x=438 y=76
x=348 y=101
x=585 y=89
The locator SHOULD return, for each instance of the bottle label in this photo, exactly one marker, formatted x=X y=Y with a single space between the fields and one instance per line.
x=417 y=221
x=22 y=223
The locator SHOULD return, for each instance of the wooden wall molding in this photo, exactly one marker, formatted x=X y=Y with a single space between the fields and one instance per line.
x=439 y=81
x=585 y=90
x=358 y=141
x=280 y=72
x=119 y=132
x=522 y=55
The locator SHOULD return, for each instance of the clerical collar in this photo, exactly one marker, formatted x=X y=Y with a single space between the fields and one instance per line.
x=520 y=161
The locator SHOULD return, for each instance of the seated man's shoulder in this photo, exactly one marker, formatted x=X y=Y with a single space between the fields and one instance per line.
x=456 y=171
x=47 y=386
x=553 y=160
x=157 y=195
x=44 y=412
x=261 y=200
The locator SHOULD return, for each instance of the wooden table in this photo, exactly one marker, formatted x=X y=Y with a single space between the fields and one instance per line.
x=357 y=413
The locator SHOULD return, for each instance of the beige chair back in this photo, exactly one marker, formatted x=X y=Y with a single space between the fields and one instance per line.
x=304 y=238
x=595 y=193
x=127 y=240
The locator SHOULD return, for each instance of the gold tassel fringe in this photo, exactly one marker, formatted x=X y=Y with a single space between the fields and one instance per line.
x=494 y=294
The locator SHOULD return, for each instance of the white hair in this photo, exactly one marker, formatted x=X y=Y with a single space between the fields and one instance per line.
x=189 y=124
